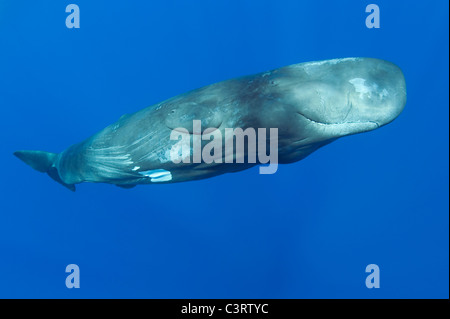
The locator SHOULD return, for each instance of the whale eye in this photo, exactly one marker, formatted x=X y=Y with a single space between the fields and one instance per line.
x=173 y=111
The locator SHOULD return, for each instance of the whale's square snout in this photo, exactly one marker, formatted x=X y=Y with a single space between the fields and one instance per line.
x=346 y=96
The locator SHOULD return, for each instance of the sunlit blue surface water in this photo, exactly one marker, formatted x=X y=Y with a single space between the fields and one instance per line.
x=307 y=231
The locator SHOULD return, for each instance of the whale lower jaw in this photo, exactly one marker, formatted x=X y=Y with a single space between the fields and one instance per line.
x=333 y=130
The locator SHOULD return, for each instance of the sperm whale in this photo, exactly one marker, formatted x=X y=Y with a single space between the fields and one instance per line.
x=309 y=104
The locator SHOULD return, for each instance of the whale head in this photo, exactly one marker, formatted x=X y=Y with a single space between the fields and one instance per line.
x=329 y=99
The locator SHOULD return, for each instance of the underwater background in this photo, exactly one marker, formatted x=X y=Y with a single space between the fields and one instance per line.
x=308 y=231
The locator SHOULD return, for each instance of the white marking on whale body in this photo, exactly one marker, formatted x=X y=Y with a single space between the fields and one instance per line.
x=175 y=153
x=136 y=168
x=158 y=175
x=330 y=62
x=384 y=93
x=310 y=66
x=360 y=87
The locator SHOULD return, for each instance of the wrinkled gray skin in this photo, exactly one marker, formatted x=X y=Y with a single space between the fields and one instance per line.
x=311 y=104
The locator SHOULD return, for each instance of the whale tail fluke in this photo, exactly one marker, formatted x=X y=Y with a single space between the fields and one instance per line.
x=43 y=162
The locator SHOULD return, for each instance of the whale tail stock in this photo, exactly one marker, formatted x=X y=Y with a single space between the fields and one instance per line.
x=43 y=162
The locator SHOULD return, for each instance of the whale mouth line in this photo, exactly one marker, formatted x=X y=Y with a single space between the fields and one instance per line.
x=338 y=123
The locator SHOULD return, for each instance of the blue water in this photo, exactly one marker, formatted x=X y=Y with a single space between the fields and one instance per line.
x=307 y=231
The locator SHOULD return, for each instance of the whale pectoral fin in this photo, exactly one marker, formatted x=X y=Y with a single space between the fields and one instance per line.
x=127 y=186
